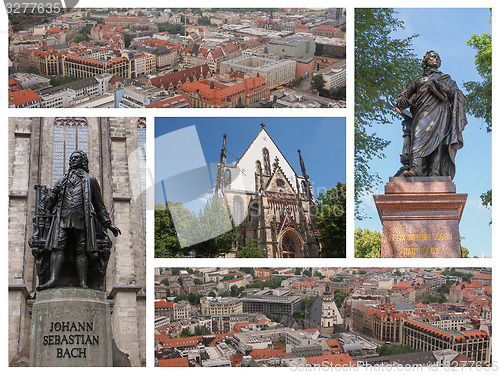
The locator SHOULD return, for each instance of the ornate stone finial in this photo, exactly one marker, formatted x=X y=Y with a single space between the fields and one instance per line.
x=276 y=162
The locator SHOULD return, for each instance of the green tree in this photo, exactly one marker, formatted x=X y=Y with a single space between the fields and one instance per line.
x=202 y=331
x=251 y=249
x=385 y=349
x=465 y=252
x=81 y=38
x=383 y=65
x=57 y=81
x=173 y=29
x=479 y=92
x=210 y=234
x=318 y=83
x=434 y=298
x=318 y=274
x=397 y=273
x=186 y=332
x=339 y=298
x=331 y=221
x=367 y=243
x=197 y=282
x=211 y=294
x=164 y=282
x=204 y=20
x=337 y=93
x=166 y=242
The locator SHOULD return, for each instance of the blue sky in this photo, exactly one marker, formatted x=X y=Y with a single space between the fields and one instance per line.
x=446 y=31
x=321 y=140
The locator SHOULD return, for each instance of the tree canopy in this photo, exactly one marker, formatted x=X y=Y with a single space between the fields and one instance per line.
x=383 y=65
x=367 y=244
x=211 y=233
x=479 y=92
x=331 y=221
x=251 y=249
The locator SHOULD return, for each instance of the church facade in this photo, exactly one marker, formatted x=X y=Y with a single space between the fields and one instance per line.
x=39 y=150
x=268 y=200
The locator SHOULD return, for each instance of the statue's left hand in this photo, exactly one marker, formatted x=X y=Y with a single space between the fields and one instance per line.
x=115 y=230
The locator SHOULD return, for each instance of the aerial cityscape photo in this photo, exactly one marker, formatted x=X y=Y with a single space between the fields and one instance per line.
x=178 y=58
x=322 y=317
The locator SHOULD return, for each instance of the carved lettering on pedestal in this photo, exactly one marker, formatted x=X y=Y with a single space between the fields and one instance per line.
x=59 y=337
x=422 y=249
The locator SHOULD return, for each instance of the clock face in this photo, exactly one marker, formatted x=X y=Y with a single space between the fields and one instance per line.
x=280 y=183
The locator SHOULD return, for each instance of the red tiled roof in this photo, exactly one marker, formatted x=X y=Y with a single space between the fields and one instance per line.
x=334 y=346
x=174 y=362
x=480 y=276
x=217 y=93
x=162 y=103
x=181 y=76
x=21 y=97
x=162 y=304
x=265 y=353
x=238 y=326
x=14 y=85
x=177 y=342
x=326 y=27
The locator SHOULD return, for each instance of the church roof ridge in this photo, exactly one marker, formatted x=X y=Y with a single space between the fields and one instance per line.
x=272 y=140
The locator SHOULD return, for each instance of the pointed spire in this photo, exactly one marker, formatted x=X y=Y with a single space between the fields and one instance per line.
x=302 y=165
x=220 y=169
x=308 y=187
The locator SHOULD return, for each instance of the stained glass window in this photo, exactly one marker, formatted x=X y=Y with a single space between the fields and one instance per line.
x=70 y=134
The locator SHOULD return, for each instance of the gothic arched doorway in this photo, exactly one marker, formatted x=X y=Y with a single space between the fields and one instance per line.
x=290 y=244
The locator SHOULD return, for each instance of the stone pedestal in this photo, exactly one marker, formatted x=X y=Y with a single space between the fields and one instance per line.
x=71 y=327
x=420 y=217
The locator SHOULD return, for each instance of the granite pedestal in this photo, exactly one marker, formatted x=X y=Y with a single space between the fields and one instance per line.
x=71 y=327
x=420 y=218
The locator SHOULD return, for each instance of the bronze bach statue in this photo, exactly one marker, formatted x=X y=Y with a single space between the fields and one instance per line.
x=70 y=228
x=437 y=119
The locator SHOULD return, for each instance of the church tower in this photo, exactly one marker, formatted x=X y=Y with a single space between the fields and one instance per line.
x=330 y=314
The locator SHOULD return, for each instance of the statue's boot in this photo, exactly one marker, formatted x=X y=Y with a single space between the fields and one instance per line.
x=56 y=261
x=416 y=169
x=409 y=173
x=81 y=268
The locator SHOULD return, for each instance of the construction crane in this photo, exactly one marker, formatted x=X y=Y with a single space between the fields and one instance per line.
x=185 y=22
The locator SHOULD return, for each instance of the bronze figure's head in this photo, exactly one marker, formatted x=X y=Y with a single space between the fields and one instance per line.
x=431 y=60
x=79 y=159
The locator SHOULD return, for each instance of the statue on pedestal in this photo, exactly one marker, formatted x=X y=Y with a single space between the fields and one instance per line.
x=70 y=225
x=433 y=129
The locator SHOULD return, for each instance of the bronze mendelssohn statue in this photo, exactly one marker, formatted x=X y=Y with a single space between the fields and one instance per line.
x=434 y=134
x=70 y=229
